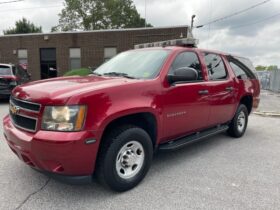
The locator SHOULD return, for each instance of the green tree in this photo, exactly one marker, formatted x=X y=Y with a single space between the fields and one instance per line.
x=260 y=68
x=272 y=67
x=23 y=26
x=99 y=14
x=268 y=68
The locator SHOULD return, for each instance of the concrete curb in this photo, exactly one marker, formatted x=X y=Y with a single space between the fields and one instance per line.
x=267 y=114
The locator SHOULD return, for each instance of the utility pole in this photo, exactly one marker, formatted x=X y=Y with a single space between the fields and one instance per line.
x=193 y=16
x=190 y=34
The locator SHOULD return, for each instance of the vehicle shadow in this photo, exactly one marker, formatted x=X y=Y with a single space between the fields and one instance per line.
x=165 y=165
x=164 y=162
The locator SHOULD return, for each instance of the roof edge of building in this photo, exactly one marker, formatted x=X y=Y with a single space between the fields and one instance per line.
x=95 y=31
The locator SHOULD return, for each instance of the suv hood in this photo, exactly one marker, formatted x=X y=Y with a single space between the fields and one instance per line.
x=59 y=90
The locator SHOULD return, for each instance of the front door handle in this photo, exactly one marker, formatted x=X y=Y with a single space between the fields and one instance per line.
x=229 y=89
x=203 y=92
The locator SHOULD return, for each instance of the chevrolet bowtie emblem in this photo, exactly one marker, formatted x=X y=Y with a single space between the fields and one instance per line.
x=14 y=109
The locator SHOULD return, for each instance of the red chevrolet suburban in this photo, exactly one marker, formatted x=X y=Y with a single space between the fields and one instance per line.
x=110 y=123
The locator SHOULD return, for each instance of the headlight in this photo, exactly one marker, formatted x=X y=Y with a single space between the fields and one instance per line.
x=63 y=118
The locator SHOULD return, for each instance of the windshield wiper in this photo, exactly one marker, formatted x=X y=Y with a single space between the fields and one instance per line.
x=118 y=74
x=96 y=73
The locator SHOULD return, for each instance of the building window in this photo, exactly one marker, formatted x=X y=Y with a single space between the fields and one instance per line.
x=109 y=52
x=75 y=58
x=22 y=56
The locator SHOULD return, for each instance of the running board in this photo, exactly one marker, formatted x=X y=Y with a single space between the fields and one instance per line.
x=178 y=143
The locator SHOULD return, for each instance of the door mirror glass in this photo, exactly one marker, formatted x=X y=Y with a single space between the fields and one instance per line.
x=184 y=74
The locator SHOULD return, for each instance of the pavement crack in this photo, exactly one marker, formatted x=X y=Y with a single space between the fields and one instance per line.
x=32 y=194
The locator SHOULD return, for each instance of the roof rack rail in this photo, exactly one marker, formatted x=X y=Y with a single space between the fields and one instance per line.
x=184 y=42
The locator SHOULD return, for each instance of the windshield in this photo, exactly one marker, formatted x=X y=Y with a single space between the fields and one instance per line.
x=5 y=71
x=140 y=64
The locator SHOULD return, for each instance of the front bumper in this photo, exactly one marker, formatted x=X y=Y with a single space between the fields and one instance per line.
x=53 y=152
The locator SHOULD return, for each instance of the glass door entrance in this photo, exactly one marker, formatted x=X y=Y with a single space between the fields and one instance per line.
x=48 y=63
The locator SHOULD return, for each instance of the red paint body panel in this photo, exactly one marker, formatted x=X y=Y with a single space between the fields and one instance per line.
x=178 y=110
x=58 y=152
x=184 y=111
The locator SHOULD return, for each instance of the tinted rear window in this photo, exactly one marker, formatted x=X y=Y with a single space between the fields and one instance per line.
x=246 y=65
x=5 y=71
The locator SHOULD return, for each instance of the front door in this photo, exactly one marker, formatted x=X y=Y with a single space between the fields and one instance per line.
x=186 y=106
x=48 y=63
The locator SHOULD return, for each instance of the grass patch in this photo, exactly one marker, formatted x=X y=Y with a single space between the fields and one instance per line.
x=78 y=72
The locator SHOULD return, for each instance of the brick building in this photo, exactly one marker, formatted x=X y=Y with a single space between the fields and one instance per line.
x=52 y=54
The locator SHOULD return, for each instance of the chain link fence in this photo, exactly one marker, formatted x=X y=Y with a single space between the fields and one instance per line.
x=270 y=80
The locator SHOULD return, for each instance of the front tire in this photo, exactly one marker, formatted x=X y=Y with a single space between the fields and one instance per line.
x=125 y=157
x=238 y=125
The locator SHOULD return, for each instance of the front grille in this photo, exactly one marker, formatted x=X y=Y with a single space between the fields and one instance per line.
x=24 y=114
x=24 y=122
x=26 y=105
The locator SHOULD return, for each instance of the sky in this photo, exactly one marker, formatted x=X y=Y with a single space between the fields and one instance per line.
x=238 y=34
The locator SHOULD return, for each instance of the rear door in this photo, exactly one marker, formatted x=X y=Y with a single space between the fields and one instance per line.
x=186 y=107
x=222 y=98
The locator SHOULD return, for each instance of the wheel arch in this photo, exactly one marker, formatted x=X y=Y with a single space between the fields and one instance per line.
x=247 y=100
x=144 y=119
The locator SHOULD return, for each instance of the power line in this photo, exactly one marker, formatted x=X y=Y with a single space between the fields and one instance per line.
x=8 y=10
x=234 y=14
x=8 y=2
x=209 y=26
x=258 y=21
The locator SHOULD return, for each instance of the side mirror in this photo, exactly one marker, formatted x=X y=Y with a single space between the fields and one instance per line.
x=183 y=74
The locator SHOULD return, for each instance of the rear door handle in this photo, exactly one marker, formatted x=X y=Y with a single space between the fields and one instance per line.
x=203 y=92
x=229 y=89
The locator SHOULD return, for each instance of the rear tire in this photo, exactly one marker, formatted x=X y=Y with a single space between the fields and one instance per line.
x=238 y=125
x=125 y=158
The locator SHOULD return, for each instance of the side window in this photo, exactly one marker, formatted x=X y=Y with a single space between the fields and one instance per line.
x=15 y=72
x=215 y=66
x=246 y=65
x=238 y=71
x=75 y=58
x=109 y=52
x=22 y=56
x=187 y=59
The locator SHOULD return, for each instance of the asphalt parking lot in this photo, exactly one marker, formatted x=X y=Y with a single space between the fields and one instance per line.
x=219 y=173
